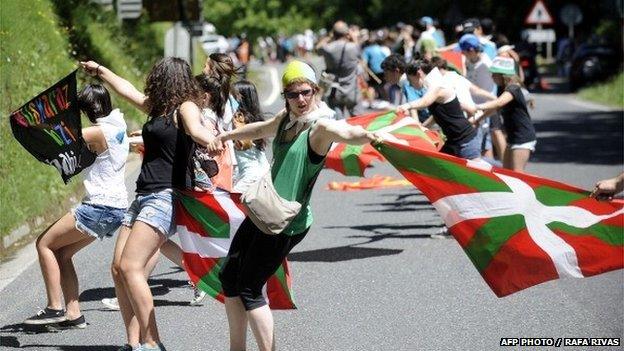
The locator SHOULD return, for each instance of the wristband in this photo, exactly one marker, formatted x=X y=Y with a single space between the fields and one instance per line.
x=97 y=70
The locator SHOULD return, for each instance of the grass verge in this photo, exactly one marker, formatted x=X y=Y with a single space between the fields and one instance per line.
x=41 y=41
x=609 y=93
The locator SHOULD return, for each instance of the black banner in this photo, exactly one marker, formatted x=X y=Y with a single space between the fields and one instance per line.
x=49 y=127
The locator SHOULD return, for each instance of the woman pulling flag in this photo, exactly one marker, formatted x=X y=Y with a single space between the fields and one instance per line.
x=303 y=135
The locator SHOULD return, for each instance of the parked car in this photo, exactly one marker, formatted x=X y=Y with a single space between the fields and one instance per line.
x=212 y=43
x=592 y=63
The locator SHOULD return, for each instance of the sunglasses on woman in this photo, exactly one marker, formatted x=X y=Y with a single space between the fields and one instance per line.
x=295 y=94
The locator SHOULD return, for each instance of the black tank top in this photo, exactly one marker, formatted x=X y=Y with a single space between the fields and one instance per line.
x=454 y=125
x=167 y=156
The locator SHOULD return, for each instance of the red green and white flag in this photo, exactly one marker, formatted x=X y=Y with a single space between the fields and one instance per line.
x=517 y=229
x=206 y=224
x=455 y=60
x=352 y=160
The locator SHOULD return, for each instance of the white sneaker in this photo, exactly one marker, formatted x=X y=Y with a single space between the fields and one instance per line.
x=111 y=304
x=443 y=233
x=198 y=296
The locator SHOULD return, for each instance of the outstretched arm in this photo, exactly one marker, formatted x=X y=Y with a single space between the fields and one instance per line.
x=257 y=130
x=476 y=91
x=190 y=115
x=121 y=86
x=491 y=106
x=608 y=187
x=325 y=132
x=429 y=98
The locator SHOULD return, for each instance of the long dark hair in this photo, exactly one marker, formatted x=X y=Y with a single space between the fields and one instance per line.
x=221 y=67
x=169 y=84
x=214 y=88
x=94 y=100
x=249 y=108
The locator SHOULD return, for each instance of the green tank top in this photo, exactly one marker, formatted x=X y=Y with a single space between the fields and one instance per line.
x=294 y=175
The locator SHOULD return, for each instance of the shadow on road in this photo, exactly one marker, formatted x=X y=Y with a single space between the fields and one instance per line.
x=402 y=203
x=580 y=137
x=12 y=342
x=158 y=286
x=340 y=254
x=26 y=329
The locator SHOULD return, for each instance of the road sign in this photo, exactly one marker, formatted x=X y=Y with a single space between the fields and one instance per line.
x=539 y=14
x=571 y=15
x=129 y=9
x=541 y=36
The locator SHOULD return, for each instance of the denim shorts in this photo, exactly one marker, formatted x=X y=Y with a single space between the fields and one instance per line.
x=154 y=209
x=468 y=150
x=98 y=221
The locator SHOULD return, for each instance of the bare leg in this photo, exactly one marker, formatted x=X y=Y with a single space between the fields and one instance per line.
x=261 y=323
x=499 y=142
x=142 y=244
x=69 y=279
x=237 y=321
x=60 y=234
x=173 y=252
x=127 y=314
x=518 y=159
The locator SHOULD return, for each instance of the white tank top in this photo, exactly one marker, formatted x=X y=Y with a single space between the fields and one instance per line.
x=104 y=180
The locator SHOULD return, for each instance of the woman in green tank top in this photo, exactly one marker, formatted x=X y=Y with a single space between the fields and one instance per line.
x=303 y=133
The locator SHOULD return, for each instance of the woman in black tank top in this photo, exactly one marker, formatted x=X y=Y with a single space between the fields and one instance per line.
x=447 y=112
x=171 y=101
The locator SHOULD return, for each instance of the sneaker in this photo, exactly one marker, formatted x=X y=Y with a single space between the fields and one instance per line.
x=111 y=304
x=442 y=234
x=46 y=316
x=145 y=347
x=128 y=347
x=78 y=323
x=198 y=296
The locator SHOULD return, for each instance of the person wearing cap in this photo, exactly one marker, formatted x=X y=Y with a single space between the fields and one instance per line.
x=341 y=52
x=477 y=72
x=516 y=117
x=303 y=134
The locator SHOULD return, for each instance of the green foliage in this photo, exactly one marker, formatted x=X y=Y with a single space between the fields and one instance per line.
x=41 y=42
x=35 y=53
x=609 y=93
x=258 y=17
x=129 y=50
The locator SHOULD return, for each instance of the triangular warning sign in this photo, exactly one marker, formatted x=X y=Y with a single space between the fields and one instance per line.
x=539 y=14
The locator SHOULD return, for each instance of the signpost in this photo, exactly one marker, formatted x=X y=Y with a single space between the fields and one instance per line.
x=571 y=15
x=538 y=16
x=178 y=42
x=129 y=9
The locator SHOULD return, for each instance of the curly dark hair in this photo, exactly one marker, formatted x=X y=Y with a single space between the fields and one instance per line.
x=169 y=84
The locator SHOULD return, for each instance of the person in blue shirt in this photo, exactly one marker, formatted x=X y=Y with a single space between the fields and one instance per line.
x=373 y=55
x=413 y=90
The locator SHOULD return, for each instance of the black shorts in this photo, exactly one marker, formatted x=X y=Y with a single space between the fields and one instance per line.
x=253 y=257
x=496 y=121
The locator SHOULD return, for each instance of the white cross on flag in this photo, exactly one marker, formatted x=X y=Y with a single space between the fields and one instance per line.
x=518 y=230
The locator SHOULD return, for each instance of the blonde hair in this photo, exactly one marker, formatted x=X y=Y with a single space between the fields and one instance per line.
x=511 y=79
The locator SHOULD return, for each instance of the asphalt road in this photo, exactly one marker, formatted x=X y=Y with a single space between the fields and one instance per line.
x=369 y=276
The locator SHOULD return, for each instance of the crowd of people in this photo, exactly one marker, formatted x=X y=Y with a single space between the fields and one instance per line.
x=208 y=133
x=479 y=102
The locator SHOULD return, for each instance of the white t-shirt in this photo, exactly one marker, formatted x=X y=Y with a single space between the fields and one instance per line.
x=104 y=180
x=461 y=86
